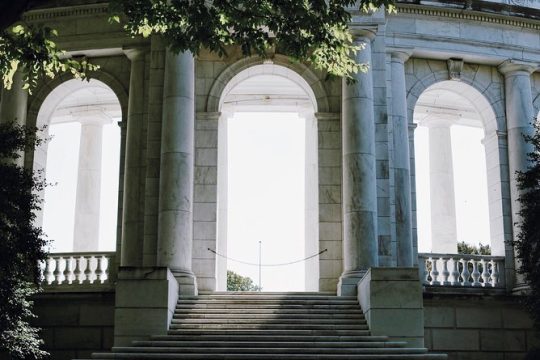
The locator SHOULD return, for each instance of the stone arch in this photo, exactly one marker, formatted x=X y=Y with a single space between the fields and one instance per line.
x=487 y=100
x=281 y=66
x=483 y=97
x=50 y=96
x=42 y=94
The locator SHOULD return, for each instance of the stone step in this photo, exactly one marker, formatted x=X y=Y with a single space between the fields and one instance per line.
x=178 y=324
x=225 y=343
x=270 y=338
x=243 y=311
x=267 y=317
x=207 y=356
x=288 y=332
x=268 y=350
x=266 y=293
x=263 y=297
x=296 y=321
x=248 y=306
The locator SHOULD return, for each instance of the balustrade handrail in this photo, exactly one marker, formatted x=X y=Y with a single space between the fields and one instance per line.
x=81 y=253
x=461 y=256
x=462 y=270
x=84 y=269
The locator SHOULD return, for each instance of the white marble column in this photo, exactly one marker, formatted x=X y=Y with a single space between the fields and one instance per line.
x=402 y=173
x=175 y=224
x=13 y=105
x=519 y=118
x=87 y=203
x=132 y=224
x=360 y=240
x=441 y=179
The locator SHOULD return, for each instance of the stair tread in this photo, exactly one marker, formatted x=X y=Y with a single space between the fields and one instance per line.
x=268 y=326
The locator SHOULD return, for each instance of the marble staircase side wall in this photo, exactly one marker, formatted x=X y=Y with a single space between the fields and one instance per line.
x=474 y=326
x=391 y=299
x=146 y=298
x=74 y=325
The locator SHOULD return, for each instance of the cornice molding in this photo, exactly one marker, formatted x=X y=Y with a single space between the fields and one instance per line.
x=66 y=12
x=470 y=15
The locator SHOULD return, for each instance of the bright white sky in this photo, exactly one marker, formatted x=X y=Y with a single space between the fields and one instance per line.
x=470 y=185
x=266 y=192
x=62 y=165
x=266 y=197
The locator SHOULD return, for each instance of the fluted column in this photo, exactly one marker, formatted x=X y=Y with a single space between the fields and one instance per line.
x=13 y=105
x=402 y=172
x=175 y=241
x=519 y=118
x=88 y=200
x=441 y=179
x=132 y=225
x=360 y=244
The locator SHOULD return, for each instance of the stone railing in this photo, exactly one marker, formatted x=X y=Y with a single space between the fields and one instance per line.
x=88 y=270
x=461 y=270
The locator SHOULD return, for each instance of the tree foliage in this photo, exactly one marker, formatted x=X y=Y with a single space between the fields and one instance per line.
x=236 y=282
x=315 y=31
x=464 y=248
x=32 y=50
x=527 y=241
x=22 y=245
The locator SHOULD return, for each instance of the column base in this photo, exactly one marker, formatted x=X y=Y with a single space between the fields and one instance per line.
x=187 y=283
x=392 y=302
x=348 y=282
x=146 y=299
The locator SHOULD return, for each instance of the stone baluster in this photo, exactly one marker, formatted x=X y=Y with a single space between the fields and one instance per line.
x=475 y=273
x=485 y=273
x=465 y=274
x=57 y=273
x=402 y=176
x=495 y=276
x=445 y=273
x=425 y=272
x=99 y=269
x=132 y=234
x=434 y=272
x=360 y=235
x=77 y=272
x=67 y=270
x=47 y=275
x=87 y=270
x=175 y=222
x=520 y=115
x=455 y=272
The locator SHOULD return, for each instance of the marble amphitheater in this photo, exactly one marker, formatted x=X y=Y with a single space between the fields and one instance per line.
x=434 y=65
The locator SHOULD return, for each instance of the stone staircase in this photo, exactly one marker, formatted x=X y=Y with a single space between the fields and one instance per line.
x=268 y=326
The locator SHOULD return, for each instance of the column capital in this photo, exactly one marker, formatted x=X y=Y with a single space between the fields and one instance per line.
x=400 y=54
x=135 y=53
x=91 y=117
x=438 y=122
x=360 y=33
x=510 y=67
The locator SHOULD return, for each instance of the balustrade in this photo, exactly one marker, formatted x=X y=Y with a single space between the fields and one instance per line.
x=66 y=269
x=461 y=270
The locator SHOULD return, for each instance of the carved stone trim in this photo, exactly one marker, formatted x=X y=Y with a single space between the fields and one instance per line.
x=472 y=15
x=455 y=67
x=63 y=12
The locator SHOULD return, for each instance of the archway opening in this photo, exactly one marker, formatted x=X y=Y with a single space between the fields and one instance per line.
x=458 y=187
x=81 y=161
x=268 y=181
